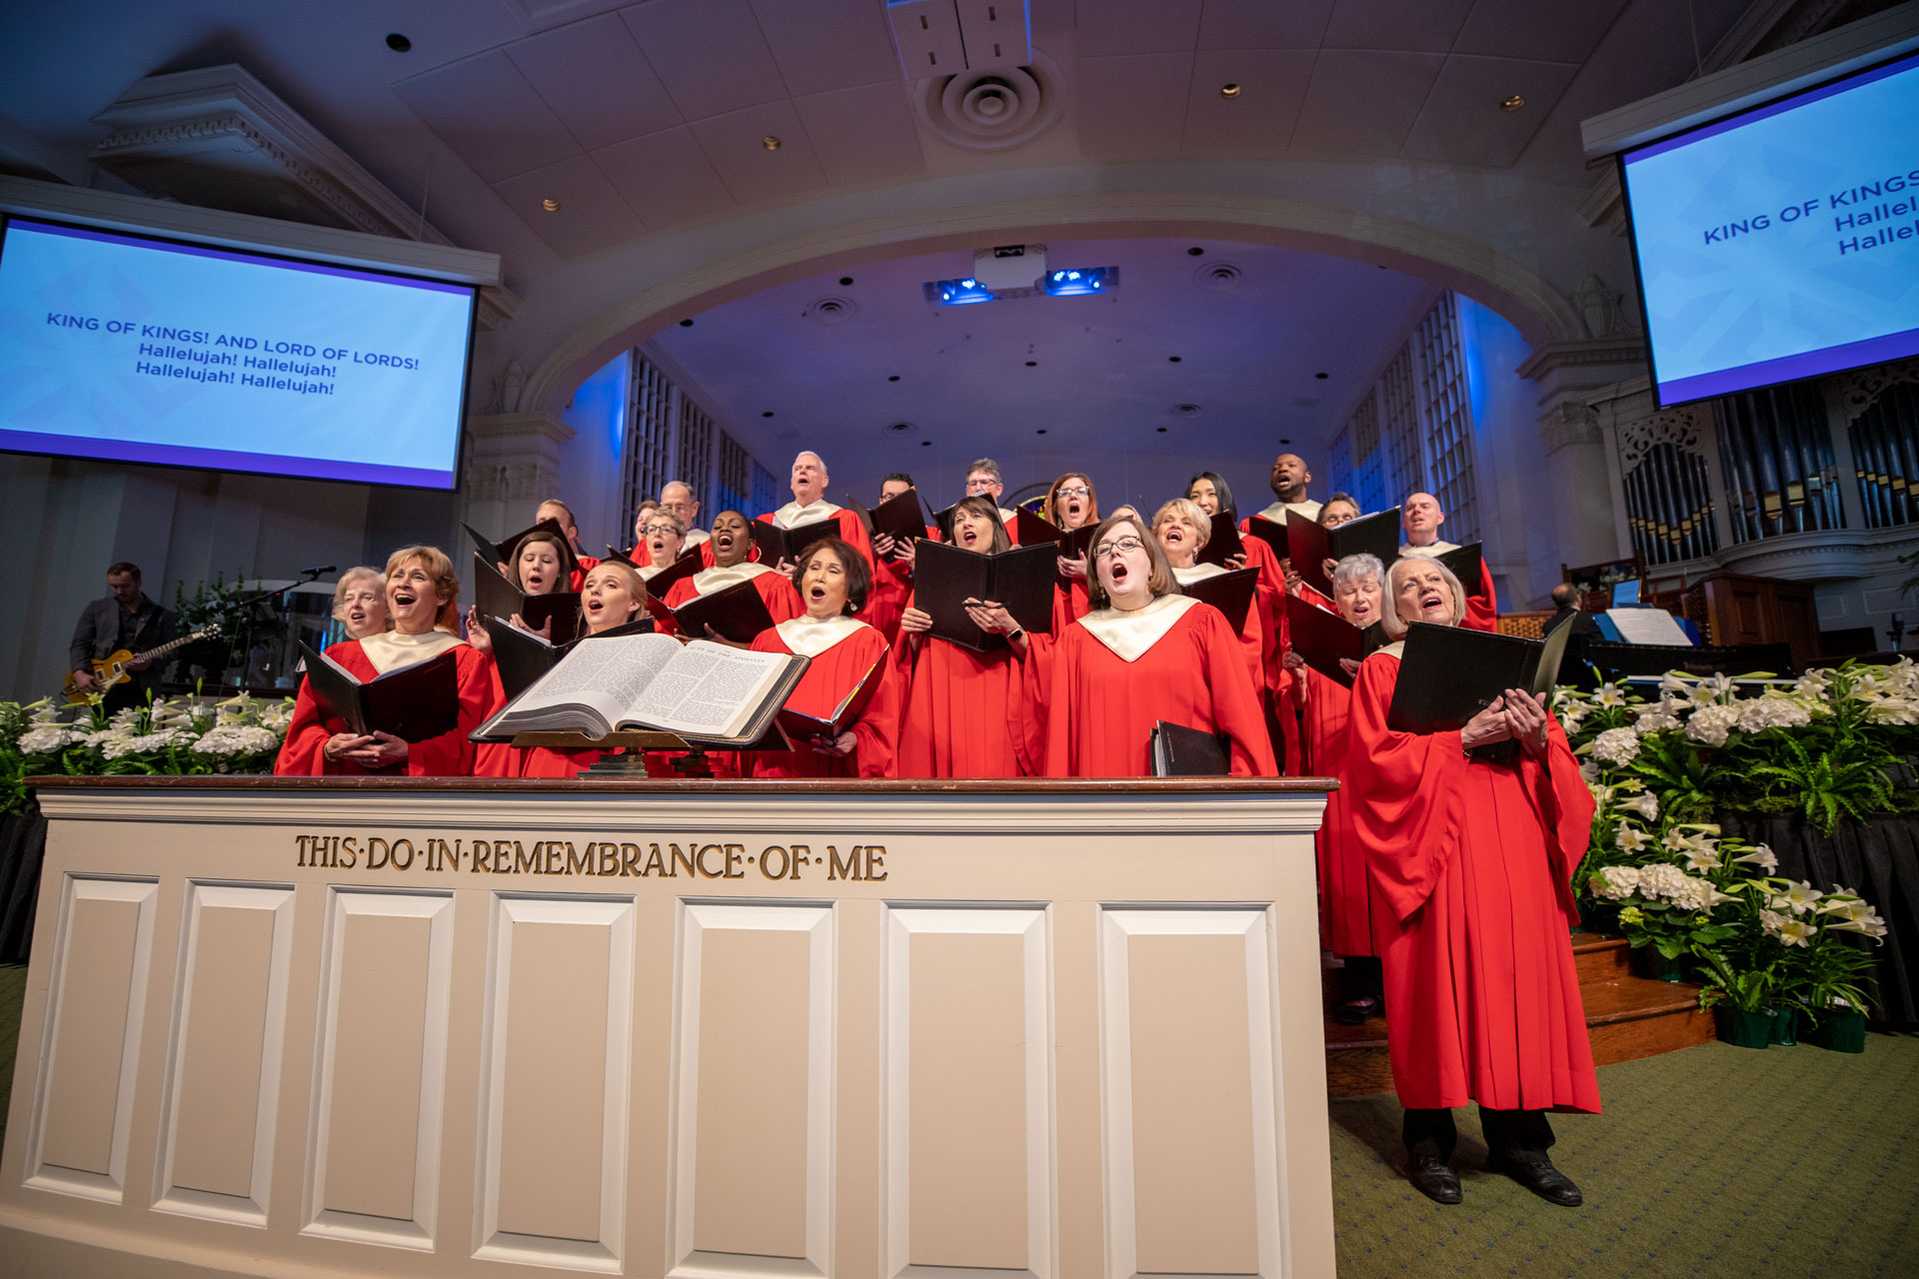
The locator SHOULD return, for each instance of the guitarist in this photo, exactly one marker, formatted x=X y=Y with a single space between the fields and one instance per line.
x=124 y=618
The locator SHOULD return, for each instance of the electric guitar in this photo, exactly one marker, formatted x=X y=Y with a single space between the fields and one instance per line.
x=116 y=667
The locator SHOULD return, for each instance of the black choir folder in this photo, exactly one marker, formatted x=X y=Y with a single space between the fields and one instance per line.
x=1466 y=563
x=1448 y=674
x=1179 y=751
x=1375 y=534
x=1032 y=530
x=1223 y=543
x=502 y=552
x=945 y=577
x=798 y=730
x=1322 y=638
x=1231 y=593
x=900 y=515
x=412 y=702
x=706 y=693
x=496 y=596
x=737 y=612
x=776 y=543
x=524 y=658
x=1271 y=532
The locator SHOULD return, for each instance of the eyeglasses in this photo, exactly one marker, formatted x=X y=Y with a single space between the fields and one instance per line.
x=1073 y=490
x=649 y=530
x=1122 y=546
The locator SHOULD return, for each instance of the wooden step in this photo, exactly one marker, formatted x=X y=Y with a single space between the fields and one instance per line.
x=1601 y=958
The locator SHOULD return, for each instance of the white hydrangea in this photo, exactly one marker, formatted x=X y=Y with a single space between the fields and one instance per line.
x=1617 y=747
x=1757 y=714
x=237 y=739
x=1711 y=723
x=47 y=739
x=1696 y=894
x=1661 y=879
x=1656 y=718
x=1615 y=883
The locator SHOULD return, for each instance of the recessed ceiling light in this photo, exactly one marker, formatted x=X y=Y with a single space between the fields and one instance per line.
x=398 y=43
x=846 y=281
x=686 y=324
x=550 y=205
x=1230 y=89
x=1285 y=439
x=1160 y=429
x=766 y=412
x=1172 y=359
x=1032 y=364
x=1512 y=102
x=771 y=142
x=1321 y=377
x=1195 y=252
x=892 y=377
x=926 y=444
x=1041 y=431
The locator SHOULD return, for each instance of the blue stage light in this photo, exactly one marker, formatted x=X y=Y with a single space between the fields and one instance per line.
x=967 y=292
x=1075 y=282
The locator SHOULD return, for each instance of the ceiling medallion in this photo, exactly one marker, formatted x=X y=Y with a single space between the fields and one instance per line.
x=771 y=142
x=1220 y=277
x=992 y=110
x=1512 y=102
x=831 y=310
x=1230 y=89
x=550 y=205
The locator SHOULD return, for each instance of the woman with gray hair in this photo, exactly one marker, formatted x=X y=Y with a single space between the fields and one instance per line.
x=662 y=538
x=1471 y=860
x=359 y=602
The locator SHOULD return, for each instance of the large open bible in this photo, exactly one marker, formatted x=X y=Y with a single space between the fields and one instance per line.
x=523 y=658
x=412 y=702
x=706 y=693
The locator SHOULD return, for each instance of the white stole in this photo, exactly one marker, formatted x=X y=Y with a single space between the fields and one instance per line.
x=390 y=650
x=1432 y=552
x=1197 y=573
x=708 y=580
x=1276 y=512
x=1132 y=635
x=811 y=636
x=793 y=515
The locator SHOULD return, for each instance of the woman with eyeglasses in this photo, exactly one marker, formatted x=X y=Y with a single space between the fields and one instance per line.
x=1144 y=654
x=967 y=713
x=662 y=538
x=1072 y=502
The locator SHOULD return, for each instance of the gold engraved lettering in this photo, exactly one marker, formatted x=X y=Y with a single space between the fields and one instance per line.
x=630 y=860
x=403 y=854
x=875 y=862
x=654 y=864
x=843 y=868
x=701 y=861
x=683 y=859
x=766 y=861
x=606 y=857
x=346 y=852
x=526 y=861
x=553 y=853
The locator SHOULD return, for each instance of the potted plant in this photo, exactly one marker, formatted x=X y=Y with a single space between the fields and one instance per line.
x=1833 y=977
x=1669 y=912
x=1741 y=1001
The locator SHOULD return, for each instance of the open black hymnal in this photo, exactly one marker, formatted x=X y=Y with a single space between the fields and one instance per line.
x=1322 y=638
x=1375 y=534
x=737 y=612
x=524 y=658
x=800 y=729
x=496 y=596
x=412 y=702
x=706 y=693
x=901 y=516
x=776 y=543
x=1032 y=530
x=1448 y=674
x=1271 y=532
x=686 y=565
x=1179 y=751
x=1466 y=563
x=501 y=552
x=945 y=577
x=1231 y=593
x=1223 y=543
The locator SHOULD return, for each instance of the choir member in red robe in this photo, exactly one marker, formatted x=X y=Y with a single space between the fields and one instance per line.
x=731 y=545
x=1289 y=479
x=892 y=568
x=422 y=599
x=1421 y=517
x=662 y=538
x=1144 y=654
x=1472 y=861
x=983 y=479
x=1183 y=529
x=1072 y=502
x=1345 y=892
x=809 y=503
x=554 y=509
x=641 y=518
x=1213 y=495
x=677 y=497
x=846 y=654
x=359 y=602
x=967 y=713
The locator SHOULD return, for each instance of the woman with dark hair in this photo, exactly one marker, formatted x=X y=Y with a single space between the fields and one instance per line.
x=1209 y=491
x=1072 y=502
x=966 y=712
x=847 y=656
x=1145 y=654
x=422 y=604
x=1471 y=859
x=731 y=545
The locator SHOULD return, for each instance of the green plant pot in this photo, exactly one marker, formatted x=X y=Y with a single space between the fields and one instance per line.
x=1842 y=1032
x=1648 y=962
x=1744 y=1030
x=1785 y=1026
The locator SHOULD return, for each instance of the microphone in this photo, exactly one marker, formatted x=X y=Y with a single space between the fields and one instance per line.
x=315 y=572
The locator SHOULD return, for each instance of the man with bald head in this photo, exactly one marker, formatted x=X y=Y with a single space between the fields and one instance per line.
x=1420 y=516
x=809 y=505
x=1289 y=479
x=677 y=497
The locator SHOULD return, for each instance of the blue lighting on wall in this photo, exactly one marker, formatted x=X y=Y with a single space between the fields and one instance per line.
x=1080 y=281
x=967 y=292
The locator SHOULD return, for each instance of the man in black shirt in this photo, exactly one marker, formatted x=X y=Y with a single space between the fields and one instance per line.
x=122 y=619
x=1566 y=604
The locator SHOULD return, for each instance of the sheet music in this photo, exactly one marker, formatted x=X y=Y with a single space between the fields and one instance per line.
x=1648 y=626
x=710 y=691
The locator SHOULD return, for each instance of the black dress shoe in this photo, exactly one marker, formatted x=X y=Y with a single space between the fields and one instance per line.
x=1531 y=1169
x=1433 y=1179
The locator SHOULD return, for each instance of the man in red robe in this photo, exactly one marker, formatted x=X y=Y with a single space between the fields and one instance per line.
x=1420 y=515
x=983 y=479
x=809 y=503
x=677 y=496
x=554 y=509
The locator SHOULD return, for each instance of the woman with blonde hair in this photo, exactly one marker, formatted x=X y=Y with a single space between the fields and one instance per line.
x=1471 y=859
x=1182 y=530
x=359 y=602
x=423 y=603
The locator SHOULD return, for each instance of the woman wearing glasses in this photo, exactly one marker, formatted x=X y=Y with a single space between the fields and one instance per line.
x=1071 y=503
x=1144 y=654
x=662 y=538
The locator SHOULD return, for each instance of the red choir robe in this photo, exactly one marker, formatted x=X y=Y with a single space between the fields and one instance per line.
x=843 y=651
x=967 y=714
x=576 y=581
x=1482 y=602
x=886 y=598
x=303 y=752
x=1471 y=864
x=1271 y=601
x=1345 y=893
x=1252 y=638
x=782 y=600
x=1113 y=675
x=852 y=529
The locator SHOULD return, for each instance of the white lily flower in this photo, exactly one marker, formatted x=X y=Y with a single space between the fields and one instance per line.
x=1609 y=695
x=1798 y=898
x=1630 y=839
x=1795 y=932
x=1645 y=804
x=1762 y=856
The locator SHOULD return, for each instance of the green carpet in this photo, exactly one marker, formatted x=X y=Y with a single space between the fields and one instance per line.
x=1713 y=1161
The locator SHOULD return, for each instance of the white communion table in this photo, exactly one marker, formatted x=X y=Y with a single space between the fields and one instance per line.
x=672 y=1028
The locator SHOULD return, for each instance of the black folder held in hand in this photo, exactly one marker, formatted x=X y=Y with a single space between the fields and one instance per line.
x=1179 y=751
x=1376 y=534
x=900 y=516
x=1467 y=564
x=945 y=577
x=1231 y=593
x=1270 y=532
x=737 y=612
x=1033 y=530
x=1322 y=638
x=1448 y=674
x=776 y=543
x=501 y=552
x=1223 y=543
x=497 y=596
x=411 y=702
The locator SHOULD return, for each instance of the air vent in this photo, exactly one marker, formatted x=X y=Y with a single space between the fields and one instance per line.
x=832 y=310
x=1186 y=410
x=992 y=110
x=1220 y=277
x=899 y=428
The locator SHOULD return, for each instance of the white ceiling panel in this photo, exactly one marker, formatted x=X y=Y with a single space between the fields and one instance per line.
x=1264 y=24
x=710 y=53
x=594 y=77
x=484 y=109
x=592 y=216
x=1364 y=102
x=1529 y=29
x=1424 y=26
x=667 y=178
x=1137 y=26
x=1462 y=122
x=864 y=136
x=1259 y=122
x=828 y=44
x=1133 y=107
x=752 y=173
